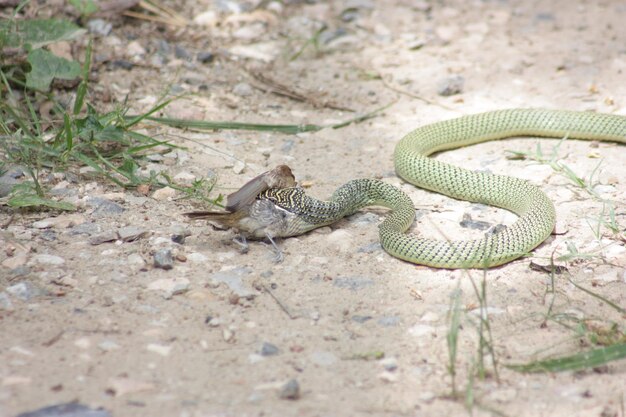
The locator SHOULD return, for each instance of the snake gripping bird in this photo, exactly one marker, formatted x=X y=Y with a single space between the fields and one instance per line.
x=252 y=217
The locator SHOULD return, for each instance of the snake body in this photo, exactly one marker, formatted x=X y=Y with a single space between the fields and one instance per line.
x=535 y=210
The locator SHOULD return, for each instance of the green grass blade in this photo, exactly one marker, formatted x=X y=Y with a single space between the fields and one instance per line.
x=82 y=88
x=207 y=125
x=583 y=360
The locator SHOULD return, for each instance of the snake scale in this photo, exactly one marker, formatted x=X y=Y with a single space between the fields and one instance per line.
x=534 y=208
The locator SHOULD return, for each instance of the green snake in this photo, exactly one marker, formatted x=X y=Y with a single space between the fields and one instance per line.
x=535 y=210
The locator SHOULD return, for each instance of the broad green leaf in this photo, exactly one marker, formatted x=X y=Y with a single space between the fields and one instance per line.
x=45 y=66
x=35 y=33
x=33 y=200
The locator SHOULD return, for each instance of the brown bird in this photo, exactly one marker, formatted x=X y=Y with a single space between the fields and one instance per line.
x=252 y=218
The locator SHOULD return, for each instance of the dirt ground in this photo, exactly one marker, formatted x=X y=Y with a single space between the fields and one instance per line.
x=222 y=332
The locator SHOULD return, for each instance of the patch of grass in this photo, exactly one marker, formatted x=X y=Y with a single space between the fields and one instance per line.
x=108 y=143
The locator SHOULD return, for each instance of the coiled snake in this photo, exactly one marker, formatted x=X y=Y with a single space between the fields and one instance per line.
x=535 y=210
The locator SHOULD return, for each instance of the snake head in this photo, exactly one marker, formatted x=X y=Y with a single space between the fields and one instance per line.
x=286 y=198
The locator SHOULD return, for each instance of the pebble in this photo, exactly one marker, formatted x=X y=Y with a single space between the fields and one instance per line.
x=165 y=193
x=341 y=239
x=323 y=358
x=170 y=286
x=207 y=18
x=429 y=316
x=268 y=349
x=104 y=207
x=82 y=343
x=388 y=376
x=5 y=301
x=197 y=258
x=450 y=86
x=119 y=386
x=104 y=237
x=243 y=90
x=25 y=290
x=228 y=335
x=163 y=350
x=44 y=259
x=353 y=283
x=131 y=233
x=420 y=330
x=85 y=229
x=390 y=364
x=388 y=321
x=370 y=248
x=234 y=279
x=290 y=391
x=163 y=259
x=468 y=223
x=135 y=50
x=72 y=409
x=361 y=319
x=99 y=27
x=108 y=345
x=15 y=261
x=181 y=53
x=184 y=178
x=205 y=57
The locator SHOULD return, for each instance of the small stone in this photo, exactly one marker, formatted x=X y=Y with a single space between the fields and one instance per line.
x=15 y=261
x=239 y=167
x=450 y=86
x=388 y=321
x=99 y=27
x=268 y=349
x=163 y=259
x=131 y=233
x=197 y=258
x=72 y=409
x=341 y=240
x=207 y=18
x=25 y=290
x=243 y=90
x=370 y=248
x=5 y=301
x=119 y=386
x=388 y=376
x=163 y=350
x=104 y=207
x=234 y=279
x=105 y=237
x=108 y=345
x=44 y=259
x=290 y=391
x=421 y=330
x=353 y=283
x=205 y=57
x=323 y=358
x=429 y=316
x=228 y=335
x=170 y=286
x=82 y=343
x=165 y=193
x=390 y=363
x=181 y=53
x=361 y=319
x=135 y=50
x=43 y=224
x=185 y=178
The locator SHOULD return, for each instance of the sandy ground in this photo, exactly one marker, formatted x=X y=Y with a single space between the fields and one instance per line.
x=99 y=324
